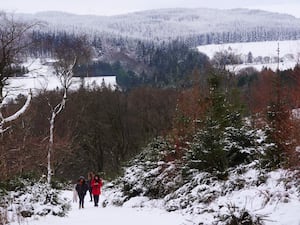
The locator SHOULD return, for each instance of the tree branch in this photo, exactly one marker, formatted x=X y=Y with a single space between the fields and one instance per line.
x=20 y=112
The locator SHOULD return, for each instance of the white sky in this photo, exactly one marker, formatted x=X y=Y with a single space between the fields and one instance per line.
x=112 y=7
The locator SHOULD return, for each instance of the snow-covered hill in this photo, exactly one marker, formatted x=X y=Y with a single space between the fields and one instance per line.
x=168 y=24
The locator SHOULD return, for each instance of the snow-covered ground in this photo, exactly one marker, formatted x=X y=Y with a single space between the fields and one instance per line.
x=289 y=53
x=41 y=77
x=108 y=215
x=276 y=201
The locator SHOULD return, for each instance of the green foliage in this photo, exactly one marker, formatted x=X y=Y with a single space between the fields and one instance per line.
x=156 y=150
x=240 y=145
x=246 y=76
x=125 y=78
x=223 y=141
x=59 y=183
x=170 y=63
x=173 y=64
x=215 y=153
x=207 y=151
x=272 y=157
x=17 y=183
x=31 y=175
x=94 y=69
x=149 y=174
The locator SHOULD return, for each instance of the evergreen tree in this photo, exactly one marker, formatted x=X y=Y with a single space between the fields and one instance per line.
x=250 y=57
x=223 y=141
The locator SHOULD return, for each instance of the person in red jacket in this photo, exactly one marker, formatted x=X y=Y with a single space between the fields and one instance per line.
x=96 y=189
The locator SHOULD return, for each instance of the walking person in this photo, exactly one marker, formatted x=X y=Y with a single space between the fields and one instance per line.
x=96 y=189
x=90 y=178
x=81 y=188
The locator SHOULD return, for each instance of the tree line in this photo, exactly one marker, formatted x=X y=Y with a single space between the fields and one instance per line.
x=98 y=130
x=101 y=128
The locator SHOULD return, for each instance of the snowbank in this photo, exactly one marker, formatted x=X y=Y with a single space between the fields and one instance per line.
x=266 y=197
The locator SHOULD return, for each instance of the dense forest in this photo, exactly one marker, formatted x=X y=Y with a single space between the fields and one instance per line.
x=123 y=122
x=165 y=64
x=167 y=89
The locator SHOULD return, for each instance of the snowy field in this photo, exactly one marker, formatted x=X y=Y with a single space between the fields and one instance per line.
x=289 y=53
x=41 y=77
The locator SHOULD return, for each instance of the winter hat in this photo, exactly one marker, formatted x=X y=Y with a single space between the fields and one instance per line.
x=81 y=177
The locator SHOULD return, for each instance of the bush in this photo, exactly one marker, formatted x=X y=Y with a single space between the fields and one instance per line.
x=155 y=151
x=214 y=152
x=59 y=184
x=149 y=174
x=238 y=216
x=28 y=197
x=18 y=182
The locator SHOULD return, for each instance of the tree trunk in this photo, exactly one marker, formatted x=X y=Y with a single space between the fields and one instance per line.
x=50 y=148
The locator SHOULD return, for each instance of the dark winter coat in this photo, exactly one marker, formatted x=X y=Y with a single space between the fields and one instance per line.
x=89 y=182
x=96 y=186
x=82 y=188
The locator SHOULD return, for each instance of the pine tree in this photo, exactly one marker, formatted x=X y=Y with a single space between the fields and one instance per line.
x=224 y=140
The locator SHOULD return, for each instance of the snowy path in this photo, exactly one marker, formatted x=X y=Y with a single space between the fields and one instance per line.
x=110 y=216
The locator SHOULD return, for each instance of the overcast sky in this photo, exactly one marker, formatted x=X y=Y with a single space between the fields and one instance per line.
x=113 y=7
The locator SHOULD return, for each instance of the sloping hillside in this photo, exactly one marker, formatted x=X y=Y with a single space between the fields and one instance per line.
x=197 y=25
x=249 y=195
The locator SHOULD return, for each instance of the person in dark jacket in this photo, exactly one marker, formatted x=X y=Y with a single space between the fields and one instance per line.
x=96 y=189
x=81 y=188
x=90 y=178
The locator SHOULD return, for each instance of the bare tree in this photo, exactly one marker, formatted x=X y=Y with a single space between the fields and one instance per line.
x=13 y=42
x=224 y=58
x=68 y=54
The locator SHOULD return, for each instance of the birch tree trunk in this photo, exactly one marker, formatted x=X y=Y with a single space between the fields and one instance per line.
x=65 y=79
x=50 y=148
x=67 y=54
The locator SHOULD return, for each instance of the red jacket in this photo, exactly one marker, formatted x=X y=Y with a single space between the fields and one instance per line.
x=96 y=186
